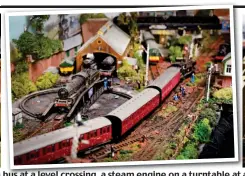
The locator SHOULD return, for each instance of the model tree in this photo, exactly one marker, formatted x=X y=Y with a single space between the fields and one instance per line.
x=86 y=16
x=175 y=52
x=37 y=22
x=202 y=131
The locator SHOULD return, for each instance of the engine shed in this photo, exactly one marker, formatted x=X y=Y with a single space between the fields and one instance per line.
x=110 y=40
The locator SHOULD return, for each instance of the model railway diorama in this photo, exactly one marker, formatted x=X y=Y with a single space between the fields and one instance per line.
x=118 y=96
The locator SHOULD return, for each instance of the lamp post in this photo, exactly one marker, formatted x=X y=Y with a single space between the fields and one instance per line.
x=209 y=80
x=147 y=65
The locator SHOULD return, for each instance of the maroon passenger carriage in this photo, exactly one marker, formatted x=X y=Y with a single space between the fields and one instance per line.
x=131 y=112
x=54 y=145
x=57 y=144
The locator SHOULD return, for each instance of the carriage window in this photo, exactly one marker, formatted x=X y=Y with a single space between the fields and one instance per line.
x=65 y=143
x=37 y=153
x=32 y=155
x=53 y=148
x=60 y=145
x=108 y=129
x=44 y=151
x=101 y=131
x=28 y=156
x=48 y=149
x=92 y=134
x=88 y=135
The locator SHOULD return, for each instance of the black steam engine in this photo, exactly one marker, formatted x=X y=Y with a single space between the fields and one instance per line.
x=80 y=82
x=187 y=66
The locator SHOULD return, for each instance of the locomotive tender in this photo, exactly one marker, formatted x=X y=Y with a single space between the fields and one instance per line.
x=54 y=145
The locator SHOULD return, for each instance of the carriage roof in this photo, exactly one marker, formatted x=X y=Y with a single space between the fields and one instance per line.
x=47 y=139
x=130 y=106
x=164 y=78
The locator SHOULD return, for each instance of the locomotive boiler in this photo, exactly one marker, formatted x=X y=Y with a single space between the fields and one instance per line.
x=80 y=82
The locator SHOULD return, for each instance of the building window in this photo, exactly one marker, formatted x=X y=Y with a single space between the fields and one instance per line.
x=228 y=69
x=76 y=49
x=68 y=53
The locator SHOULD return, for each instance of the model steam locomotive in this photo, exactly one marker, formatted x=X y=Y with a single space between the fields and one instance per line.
x=81 y=81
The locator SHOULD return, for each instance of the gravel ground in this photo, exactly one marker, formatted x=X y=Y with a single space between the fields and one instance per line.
x=105 y=104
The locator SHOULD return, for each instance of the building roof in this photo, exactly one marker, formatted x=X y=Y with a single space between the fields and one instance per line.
x=91 y=27
x=227 y=57
x=116 y=38
x=72 y=42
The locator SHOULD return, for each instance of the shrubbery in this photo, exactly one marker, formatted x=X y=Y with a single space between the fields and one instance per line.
x=47 y=81
x=85 y=17
x=22 y=85
x=210 y=114
x=15 y=55
x=189 y=152
x=37 y=45
x=126 y=71
x=202 y=131
x=223 y=95
x=21 y=67
x=174 y=52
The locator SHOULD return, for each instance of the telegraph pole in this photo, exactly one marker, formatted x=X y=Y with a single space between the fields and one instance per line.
x=147 y=65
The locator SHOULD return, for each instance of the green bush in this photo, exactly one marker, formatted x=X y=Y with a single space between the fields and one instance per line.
x=169 y=152
x=189 y=152
x=223 y=94
x=37 y=45
x=21 y=67
x=202 y=131
x=184 y=39
x=18 y=126
x=26 y=43
x=181 y=157
x=172 y=145
x=210 y=114
x=47 y=80
x=174 y=52
x=22 y=85
x=15 y=55
x=126 y=71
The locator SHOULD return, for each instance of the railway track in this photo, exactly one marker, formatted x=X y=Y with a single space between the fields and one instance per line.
x=48 y=126
x=168 y=131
